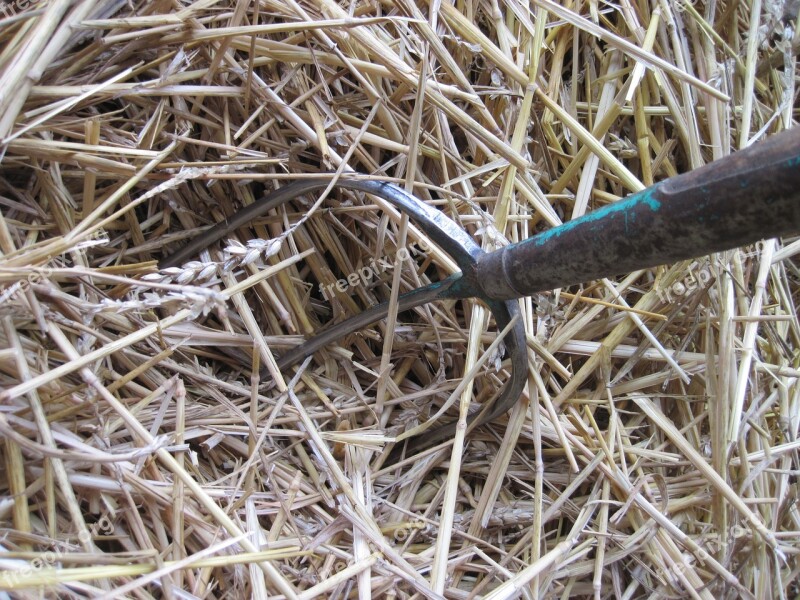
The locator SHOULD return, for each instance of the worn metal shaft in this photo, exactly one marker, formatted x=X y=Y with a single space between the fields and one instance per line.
x=748 y=196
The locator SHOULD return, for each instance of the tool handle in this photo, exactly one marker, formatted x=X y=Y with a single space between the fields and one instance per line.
x=750 y=195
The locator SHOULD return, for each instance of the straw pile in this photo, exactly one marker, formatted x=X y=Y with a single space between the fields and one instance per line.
x=654 y=453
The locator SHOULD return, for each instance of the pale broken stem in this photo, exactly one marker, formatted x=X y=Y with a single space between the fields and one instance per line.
x=391 y=323
x=442 y=548
x=402 y=236
x=750 y=74
x=359 y=464
x=249 y=320
x=749 y=340
x=54 y=576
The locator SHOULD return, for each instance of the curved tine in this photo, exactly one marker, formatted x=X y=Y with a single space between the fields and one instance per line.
x=516 y=343
x=444 y=232
x=517 y=346
x=451 y=238
x=433 y=291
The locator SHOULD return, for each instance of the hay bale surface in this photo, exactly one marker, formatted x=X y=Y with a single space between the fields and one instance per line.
x=145 y=455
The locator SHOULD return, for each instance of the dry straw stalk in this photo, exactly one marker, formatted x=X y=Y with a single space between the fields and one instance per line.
x=152 y=448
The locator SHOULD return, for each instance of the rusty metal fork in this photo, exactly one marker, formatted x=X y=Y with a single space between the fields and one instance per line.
x=750 y=195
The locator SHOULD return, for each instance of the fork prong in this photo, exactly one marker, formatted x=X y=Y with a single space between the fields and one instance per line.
x=433 y=291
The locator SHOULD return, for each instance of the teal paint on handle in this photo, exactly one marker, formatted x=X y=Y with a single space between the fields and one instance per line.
x=610 y=211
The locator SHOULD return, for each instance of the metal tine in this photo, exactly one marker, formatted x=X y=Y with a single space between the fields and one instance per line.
x=423 y=295
x=752 y=194
x=444 y=233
